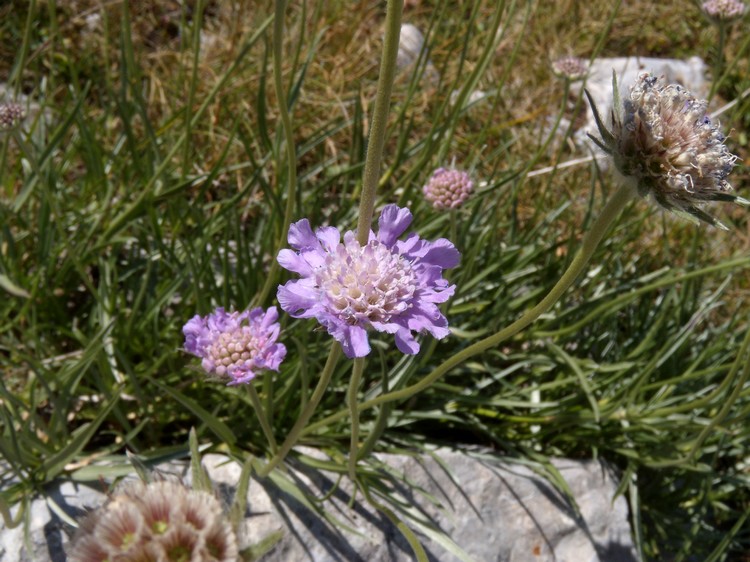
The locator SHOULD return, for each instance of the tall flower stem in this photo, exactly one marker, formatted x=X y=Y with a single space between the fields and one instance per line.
x=719 y=61
x=379 y=125
x=291 y=156
x=351 y=401
x=306 y=414
x=262 y=418
x=589 y=244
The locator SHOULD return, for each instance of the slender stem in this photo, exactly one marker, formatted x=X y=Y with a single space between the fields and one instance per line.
x=291 y=155
x=268 y=395
x=380 y=424
x=588 y=245
x=307 y=412
x=260 y=412
x=719 y=62
x=351 y=400
x=581 y=259
x=379 y=119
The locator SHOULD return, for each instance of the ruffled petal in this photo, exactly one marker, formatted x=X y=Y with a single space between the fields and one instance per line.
x=406 y=342
x=441 y=252
x=301 y=235
x=329 y=237
x=356 y=343
x=292 y=261
x=297 y=298
x=392 y=223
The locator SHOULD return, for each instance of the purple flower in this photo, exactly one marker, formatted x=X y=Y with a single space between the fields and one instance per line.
x=388 y=285
x=236 y=344
x=448 y=189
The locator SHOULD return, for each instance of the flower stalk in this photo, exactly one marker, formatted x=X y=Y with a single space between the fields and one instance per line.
x=588 y=246
x=379 y=118
x=306 y=414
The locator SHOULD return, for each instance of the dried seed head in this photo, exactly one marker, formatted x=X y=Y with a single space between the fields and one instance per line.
x=158 y=521
x=663 y=142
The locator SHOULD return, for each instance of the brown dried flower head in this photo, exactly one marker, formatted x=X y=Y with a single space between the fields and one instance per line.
x=665 y=144
x=570 y=68
x=724 y=11
x=158 y=522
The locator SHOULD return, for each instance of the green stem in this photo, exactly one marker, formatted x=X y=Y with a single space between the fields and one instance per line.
x=260 y=412
x=307 y=412
x=291 y=155
x=590 y=241
x=379 y=119
x=380 y=424
x=351 y=400
x=719 y=62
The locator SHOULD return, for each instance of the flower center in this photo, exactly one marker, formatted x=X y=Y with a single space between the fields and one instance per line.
x=369 y=283
x=234 y=350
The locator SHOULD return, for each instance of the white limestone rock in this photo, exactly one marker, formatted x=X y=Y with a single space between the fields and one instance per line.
x=491 y=509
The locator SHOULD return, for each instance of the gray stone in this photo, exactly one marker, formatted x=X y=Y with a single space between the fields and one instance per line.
x=491 y=509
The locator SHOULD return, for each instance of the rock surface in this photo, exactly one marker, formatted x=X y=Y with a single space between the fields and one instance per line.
x=492 y=510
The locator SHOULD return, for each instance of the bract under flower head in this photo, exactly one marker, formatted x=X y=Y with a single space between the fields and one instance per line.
x=236 y=344
x=448 y=188
x=387 y=285
x=663 y=141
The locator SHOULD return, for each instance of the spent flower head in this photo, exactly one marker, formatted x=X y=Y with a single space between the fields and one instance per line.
x=570 y=68
x=663 y=142
x=237 y=345
x=387 y=285
x=724 y=11
x=448 y=188
x=158 y=521
x=11 y=115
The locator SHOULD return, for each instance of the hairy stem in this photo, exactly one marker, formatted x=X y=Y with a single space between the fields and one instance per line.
x=379 y=119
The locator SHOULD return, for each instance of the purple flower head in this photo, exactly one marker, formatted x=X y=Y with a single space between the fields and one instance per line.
x=388 y=285
x=448 y=189
x=237 y=345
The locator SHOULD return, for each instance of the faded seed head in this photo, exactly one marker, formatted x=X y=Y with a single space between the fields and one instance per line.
x=663 y=142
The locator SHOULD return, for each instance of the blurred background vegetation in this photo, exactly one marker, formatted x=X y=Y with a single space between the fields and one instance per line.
x=147 y=184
